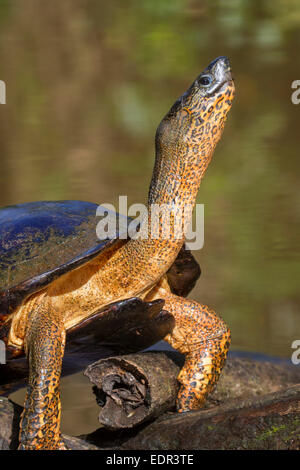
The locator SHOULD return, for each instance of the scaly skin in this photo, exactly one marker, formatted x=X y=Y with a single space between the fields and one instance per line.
x=185 y=142
x=203 y=337
x=44 y=344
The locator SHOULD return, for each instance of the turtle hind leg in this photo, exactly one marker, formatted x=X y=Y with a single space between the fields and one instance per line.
x=204 y=338
x=44 y=344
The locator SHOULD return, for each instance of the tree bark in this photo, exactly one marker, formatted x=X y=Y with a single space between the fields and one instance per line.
x=134 y=388
x=256 y=405
x=268 y=422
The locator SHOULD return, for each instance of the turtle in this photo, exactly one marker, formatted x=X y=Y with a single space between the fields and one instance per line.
x=60 y=281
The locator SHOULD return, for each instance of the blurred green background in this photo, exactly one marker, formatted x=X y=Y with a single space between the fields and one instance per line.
x=89 y=81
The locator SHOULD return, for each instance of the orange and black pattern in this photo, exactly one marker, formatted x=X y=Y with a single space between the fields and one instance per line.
x=204 y=338
x=40 y=422
x=185 y=142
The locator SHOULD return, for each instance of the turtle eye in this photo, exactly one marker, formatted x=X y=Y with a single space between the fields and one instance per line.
x=205 y=80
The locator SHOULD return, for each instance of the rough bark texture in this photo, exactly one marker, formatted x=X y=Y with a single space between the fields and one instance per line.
x=269 y=422
x=134 y=388
x=256 y=405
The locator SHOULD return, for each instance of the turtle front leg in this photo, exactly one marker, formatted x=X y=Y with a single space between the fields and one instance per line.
x=204 y=338
x=44 y=345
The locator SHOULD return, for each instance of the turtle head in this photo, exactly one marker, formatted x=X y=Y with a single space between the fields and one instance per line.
x=194 y=124
x=213 y=84
x=186 y=137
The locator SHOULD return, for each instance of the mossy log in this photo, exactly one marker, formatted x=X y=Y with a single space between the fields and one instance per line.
x=267 y=422
x=256 y=405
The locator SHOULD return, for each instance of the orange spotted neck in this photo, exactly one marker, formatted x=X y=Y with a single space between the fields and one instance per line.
x=183 y=152
x=185 y=142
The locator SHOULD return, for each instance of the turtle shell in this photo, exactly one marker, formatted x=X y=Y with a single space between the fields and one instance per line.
x=40 y=241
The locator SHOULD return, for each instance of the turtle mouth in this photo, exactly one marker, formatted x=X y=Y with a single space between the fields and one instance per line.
x=221 y=87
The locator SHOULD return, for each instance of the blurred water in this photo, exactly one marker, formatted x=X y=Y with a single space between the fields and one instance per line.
x=89 y=81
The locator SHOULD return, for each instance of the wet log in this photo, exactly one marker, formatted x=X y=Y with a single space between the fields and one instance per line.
x=134 y=388
x=256 y=405
x=267 y=422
